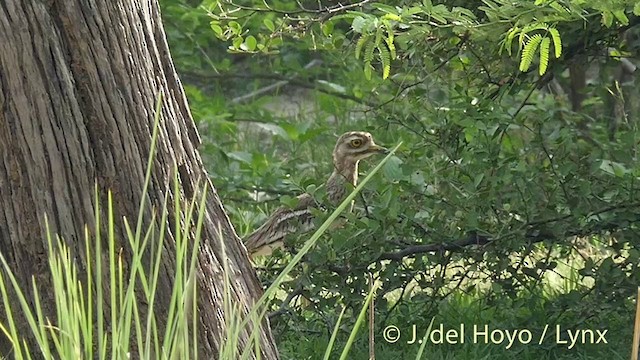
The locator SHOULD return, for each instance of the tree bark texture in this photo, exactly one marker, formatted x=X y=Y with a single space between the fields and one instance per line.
x=78 y=84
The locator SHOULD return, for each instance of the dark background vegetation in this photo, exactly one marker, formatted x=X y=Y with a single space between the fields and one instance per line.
x=513 y=201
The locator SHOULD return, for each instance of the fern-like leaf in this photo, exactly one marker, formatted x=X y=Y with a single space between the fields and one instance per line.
x=363 y=40
x=529 y=51
x=390 y=38
x=385 y=59
x=368 y=52
x=544 y=55
x=557 y=42
x=367 y=71
x=509 y=39
x=379 y=33
x=392 y=47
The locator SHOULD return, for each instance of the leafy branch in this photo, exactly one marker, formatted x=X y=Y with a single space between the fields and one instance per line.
x=535 y=232
x=535 y=39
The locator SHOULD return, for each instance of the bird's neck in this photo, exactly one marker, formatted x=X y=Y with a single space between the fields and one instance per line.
x=342 y=180
x=347 y=171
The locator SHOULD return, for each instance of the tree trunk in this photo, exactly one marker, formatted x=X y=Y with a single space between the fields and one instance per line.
x=78 y=85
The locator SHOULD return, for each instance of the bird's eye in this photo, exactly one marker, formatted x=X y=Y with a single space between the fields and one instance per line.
x=356 y=143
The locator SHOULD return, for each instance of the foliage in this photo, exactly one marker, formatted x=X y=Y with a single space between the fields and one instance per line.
x=508 y=180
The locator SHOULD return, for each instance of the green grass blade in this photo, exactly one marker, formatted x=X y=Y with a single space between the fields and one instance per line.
x=334 y=334
x=356 y=326
x=424 y=339
x=12 y=333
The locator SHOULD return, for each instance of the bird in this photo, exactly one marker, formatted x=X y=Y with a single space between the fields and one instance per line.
x=350 y=148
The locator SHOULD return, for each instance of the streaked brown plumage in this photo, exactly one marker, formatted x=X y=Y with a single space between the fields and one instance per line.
x=350 y=148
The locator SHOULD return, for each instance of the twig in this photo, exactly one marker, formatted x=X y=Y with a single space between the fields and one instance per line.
x=283 y=81
x=535 y=233
x=284 y=307
x=472 y=239
x=271 y=87
x=409 y=86
x=331 y=10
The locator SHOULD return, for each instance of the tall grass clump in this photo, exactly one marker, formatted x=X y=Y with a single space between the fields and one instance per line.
x=85 y=301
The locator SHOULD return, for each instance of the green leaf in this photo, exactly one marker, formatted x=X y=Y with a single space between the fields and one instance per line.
x=269 y=24
x=390 y=38
x=393 y=17
x=509 y=40
x=387 y=9
x=238 y=42
x=636 y=9
x=289 y=201
x=217 y=29
x=478 y=179
x=363 y=40
x=529 y=51
x=368 y=52
x=391 y=170
x=557 y=42
x=613 y=168
x=385 y=59
x=561 y=10
x=292 y=131
x=392 y=47
x=327 y=28
x=437 y=13
x=544 y=55
x=470 y=133
x=241 y=156
x=235 y=27
x=607 y=18
x=621 y=16
x=367 y=71
x=250 y=43
x=378 y=36
x=358 y=24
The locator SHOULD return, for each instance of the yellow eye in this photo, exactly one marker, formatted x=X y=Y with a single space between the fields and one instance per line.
x=356 y=143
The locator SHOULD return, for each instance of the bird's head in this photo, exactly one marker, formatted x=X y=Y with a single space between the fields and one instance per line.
x=354 y=146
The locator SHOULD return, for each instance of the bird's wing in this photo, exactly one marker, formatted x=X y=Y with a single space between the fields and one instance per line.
x=282 y=222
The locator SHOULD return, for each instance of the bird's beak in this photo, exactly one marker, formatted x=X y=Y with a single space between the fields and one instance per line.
x=379 y=149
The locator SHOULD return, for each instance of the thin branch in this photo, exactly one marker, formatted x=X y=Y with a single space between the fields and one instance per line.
x=438 y=67
x=483 y=65
x=326 y=12
x=275 y=86
x=472 y=239
x=543 y=80
x=535 y=233
x=281 y=81
x=284 y=307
